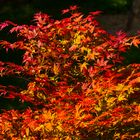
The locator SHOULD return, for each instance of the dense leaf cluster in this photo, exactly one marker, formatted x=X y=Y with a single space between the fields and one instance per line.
x=78 y=85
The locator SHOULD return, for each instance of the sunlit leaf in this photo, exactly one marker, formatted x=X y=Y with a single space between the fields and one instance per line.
x=82 y=66
x=121 y=97
x=56 y=69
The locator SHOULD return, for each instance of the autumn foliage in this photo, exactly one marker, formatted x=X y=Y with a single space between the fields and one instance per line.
x=78 y=84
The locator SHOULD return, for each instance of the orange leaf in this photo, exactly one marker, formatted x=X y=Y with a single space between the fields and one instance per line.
x=136 y=42
x=82 y=66
x=56 y=69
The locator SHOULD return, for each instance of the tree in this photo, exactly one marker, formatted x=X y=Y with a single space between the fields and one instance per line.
x=78 y=85
x=133 y=14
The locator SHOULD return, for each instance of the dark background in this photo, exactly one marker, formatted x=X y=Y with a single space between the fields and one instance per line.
x=21 y=11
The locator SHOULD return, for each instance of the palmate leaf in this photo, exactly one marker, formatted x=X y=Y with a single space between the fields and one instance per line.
x=6 y=23
x=56 y=69
x=83 y=66
x=136 y=42
x=121 y=97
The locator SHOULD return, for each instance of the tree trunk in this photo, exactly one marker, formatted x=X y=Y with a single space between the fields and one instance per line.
x=133 y=14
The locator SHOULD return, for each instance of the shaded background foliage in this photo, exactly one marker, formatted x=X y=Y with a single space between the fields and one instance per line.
x=21 y=11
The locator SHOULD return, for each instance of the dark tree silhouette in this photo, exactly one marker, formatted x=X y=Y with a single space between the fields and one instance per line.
x=133 y=14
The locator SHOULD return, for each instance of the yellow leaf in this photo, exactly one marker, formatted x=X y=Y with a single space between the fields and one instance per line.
x=119 y=87
x=91 y=56
x=82 y=66
x=64 y=42
x=78 y=39
x=27 y=131
x=59 y=127
x=39 y=127
x=121 y=97
x=110 y=101
x=98 y=108
x=83 y=49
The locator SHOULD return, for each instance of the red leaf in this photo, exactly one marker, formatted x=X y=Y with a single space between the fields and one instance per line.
x=102 y=62
x=73 y=7
x=65 y=11
x=96 y=13
x=92 y=71
x=15 y=29
x=5 y=24
x=73 y=48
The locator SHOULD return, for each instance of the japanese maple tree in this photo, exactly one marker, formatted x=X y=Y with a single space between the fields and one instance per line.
x=78 y=84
